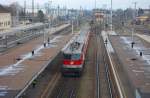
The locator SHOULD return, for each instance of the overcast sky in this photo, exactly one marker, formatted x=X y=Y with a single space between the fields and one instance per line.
x=86 y=4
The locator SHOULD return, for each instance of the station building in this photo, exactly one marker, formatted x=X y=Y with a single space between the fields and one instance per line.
x=5 y=18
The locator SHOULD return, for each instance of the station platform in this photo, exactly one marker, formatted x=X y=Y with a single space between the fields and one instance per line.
x=18 y=66
x=144 y=37
x=135 y=66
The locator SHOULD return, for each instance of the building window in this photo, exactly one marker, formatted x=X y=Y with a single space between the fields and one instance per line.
x=4 y=24
x=8 y=22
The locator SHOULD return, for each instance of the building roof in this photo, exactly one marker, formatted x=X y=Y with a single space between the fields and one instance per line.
x=3 y=9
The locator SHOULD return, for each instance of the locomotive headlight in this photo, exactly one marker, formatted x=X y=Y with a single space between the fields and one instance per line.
x=71 y=62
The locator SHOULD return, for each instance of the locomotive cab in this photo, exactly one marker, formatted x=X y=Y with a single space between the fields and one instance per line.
x=72 y=64
x=73 y=55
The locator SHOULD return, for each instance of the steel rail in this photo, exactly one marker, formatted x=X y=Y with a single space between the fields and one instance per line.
x=106 y=66
x=116 y=77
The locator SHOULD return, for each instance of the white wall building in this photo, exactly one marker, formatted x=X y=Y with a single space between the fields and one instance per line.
x=5 y=19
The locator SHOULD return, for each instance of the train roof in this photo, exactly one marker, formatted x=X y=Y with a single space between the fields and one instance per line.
x=76 y=44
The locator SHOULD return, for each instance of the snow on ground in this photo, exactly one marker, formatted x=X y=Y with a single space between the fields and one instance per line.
x=17 y=67
x=138 y=47
x=3 y=93
x=145 y=37
x=55 y=39
x=109 y=46
x=3 y=90
x=112 y=33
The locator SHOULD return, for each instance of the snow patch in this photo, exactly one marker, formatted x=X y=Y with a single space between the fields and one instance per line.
x=138 y=47
x=3 y=93
x=17 y=67
x=112 y=33
x=3 y=90
x=109 y=46
x=55 y=39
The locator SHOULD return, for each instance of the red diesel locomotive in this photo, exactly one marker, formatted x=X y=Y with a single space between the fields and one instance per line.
x=74 y=54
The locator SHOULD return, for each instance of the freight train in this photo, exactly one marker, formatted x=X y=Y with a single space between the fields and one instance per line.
x=74 y=55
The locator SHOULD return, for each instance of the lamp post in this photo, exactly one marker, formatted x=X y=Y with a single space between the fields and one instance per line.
x=72 y=26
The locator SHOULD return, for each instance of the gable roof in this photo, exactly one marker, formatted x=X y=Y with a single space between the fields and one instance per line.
x=3 y=9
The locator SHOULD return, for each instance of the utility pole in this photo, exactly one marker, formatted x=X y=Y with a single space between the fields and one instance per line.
x=25 y=7
x=134 y=17
x=104 y=7
x=24 y=11
x=95 y=4
x=149 y=9
x=49 y=7
x=65 y=13
x=58 y=10
x=72 y=27
x=111 y=17
x=58 y=13
x=33 y=8
x=49 y=12
x=38 y=7
x=17 y=14
x=135 y=11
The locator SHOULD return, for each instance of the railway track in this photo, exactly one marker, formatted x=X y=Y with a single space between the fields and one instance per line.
x=103 y=82
x=96 y=75
x=50 y=86
x=69 y=87
x=48 y=79
x=14 y=40
x=66 y=88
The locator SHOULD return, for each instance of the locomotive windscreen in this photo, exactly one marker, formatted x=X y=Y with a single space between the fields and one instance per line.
x=72 y=56
x=75 y=57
